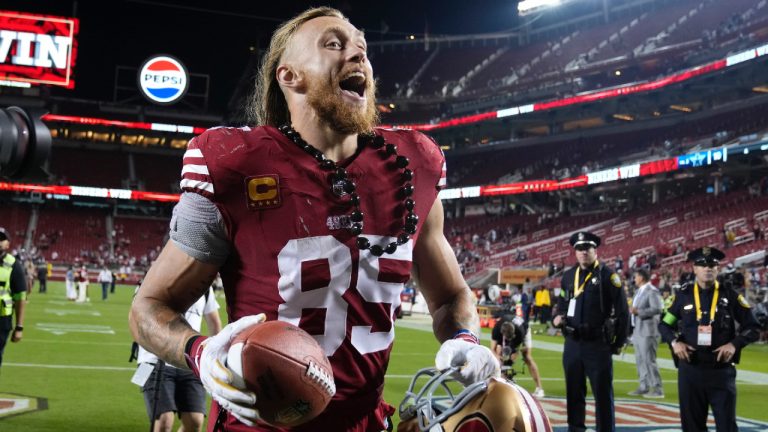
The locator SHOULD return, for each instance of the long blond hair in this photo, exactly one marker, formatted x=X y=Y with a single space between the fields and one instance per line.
x=268 y=105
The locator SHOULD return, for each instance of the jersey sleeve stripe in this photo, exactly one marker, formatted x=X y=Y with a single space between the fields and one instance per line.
x=194 y=168
x=196 y=185
x=194 y=153
x=195 y=176
x=443 y=176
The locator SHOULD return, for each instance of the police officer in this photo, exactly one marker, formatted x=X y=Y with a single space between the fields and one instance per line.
x=13 y=289
x=700 y=327
x=593 y=313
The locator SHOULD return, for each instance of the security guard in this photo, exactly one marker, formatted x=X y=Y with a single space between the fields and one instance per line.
x=13 y=289
x=700 y=327
x=592 y=311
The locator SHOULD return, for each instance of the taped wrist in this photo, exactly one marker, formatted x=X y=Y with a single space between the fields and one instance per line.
x=467 y=335
x=193 y=349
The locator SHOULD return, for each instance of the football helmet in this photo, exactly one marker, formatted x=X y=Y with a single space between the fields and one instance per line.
x=493 y=405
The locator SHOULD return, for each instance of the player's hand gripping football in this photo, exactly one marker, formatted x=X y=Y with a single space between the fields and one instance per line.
x=218 y=379
x=475 y=362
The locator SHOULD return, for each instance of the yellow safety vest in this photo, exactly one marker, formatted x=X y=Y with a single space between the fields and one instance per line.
x=6 y=302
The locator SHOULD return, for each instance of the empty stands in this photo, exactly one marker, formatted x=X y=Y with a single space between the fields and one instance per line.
x=88 y=167
x=73 y=233
x=157 y=172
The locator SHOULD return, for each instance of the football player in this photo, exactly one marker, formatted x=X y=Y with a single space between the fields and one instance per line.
x=317 y=218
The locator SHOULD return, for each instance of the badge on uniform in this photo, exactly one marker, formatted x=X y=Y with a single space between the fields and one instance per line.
x=263 y=192
x=743 y=302
x=572 y=308
x=616 y=280
x=705 y=335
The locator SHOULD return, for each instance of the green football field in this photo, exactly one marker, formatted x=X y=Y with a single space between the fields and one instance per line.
x=74 y=360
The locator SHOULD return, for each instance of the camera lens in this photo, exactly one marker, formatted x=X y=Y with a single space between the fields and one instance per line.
x=25 y=143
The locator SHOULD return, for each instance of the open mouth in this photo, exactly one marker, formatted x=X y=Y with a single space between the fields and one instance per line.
x=354 y=85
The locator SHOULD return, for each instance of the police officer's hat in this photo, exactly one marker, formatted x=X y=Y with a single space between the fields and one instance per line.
x=584 y=238
x=705 y=255
x=4 y=234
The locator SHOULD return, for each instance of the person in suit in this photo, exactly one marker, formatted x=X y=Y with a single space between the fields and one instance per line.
x=646 y=309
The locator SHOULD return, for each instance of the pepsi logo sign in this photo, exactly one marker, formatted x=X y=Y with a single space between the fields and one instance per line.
x=163 y=79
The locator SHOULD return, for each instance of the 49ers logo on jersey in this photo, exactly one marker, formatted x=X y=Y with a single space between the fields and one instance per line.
x=263 y=192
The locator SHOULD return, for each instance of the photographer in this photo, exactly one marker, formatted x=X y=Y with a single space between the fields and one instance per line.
x=169 y=390
x=509 y=335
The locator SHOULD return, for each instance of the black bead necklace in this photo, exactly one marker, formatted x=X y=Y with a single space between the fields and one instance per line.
x=343 y=186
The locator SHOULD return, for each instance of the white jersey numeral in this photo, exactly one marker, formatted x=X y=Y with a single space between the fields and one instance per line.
x=297 y=297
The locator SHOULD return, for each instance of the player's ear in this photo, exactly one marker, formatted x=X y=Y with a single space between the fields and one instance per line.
x=288 y=76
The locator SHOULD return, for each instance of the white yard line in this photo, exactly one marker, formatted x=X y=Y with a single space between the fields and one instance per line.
x=82 y=367
x=71 y=342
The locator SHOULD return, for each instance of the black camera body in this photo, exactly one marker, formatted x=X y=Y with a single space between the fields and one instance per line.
x=25 y=144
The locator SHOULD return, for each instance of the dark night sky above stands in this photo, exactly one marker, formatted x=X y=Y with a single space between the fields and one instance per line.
x=214 y=37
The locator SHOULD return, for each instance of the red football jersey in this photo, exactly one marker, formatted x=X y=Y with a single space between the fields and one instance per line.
x=293 y=257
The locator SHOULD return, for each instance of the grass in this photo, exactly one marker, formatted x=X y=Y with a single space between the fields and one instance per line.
x=85 y=376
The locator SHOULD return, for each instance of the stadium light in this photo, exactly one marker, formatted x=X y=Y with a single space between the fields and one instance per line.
x=528 y=6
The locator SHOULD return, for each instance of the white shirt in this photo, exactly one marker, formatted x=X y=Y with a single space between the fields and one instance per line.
x=637 y=294
x=105 y=276
x=193 y=315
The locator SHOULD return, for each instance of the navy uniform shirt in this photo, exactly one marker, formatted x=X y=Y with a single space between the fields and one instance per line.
x=588 y=315
x=680 y=322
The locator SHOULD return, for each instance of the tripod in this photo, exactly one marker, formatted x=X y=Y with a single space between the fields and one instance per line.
x=159 y=366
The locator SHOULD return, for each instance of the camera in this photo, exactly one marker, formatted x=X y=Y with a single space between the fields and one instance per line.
x=508 y=363
x=506 y=354
x=25 y=143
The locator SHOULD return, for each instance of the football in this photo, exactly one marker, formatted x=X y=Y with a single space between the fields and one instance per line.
x=287 y=370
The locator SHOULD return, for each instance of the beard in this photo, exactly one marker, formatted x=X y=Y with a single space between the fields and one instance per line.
x=324 y=96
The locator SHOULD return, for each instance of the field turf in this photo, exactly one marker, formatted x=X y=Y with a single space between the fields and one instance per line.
x=75 y=357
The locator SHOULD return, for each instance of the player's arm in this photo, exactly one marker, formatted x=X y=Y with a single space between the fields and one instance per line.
x=449 y=299
x=174 y=282
x=178 y=278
